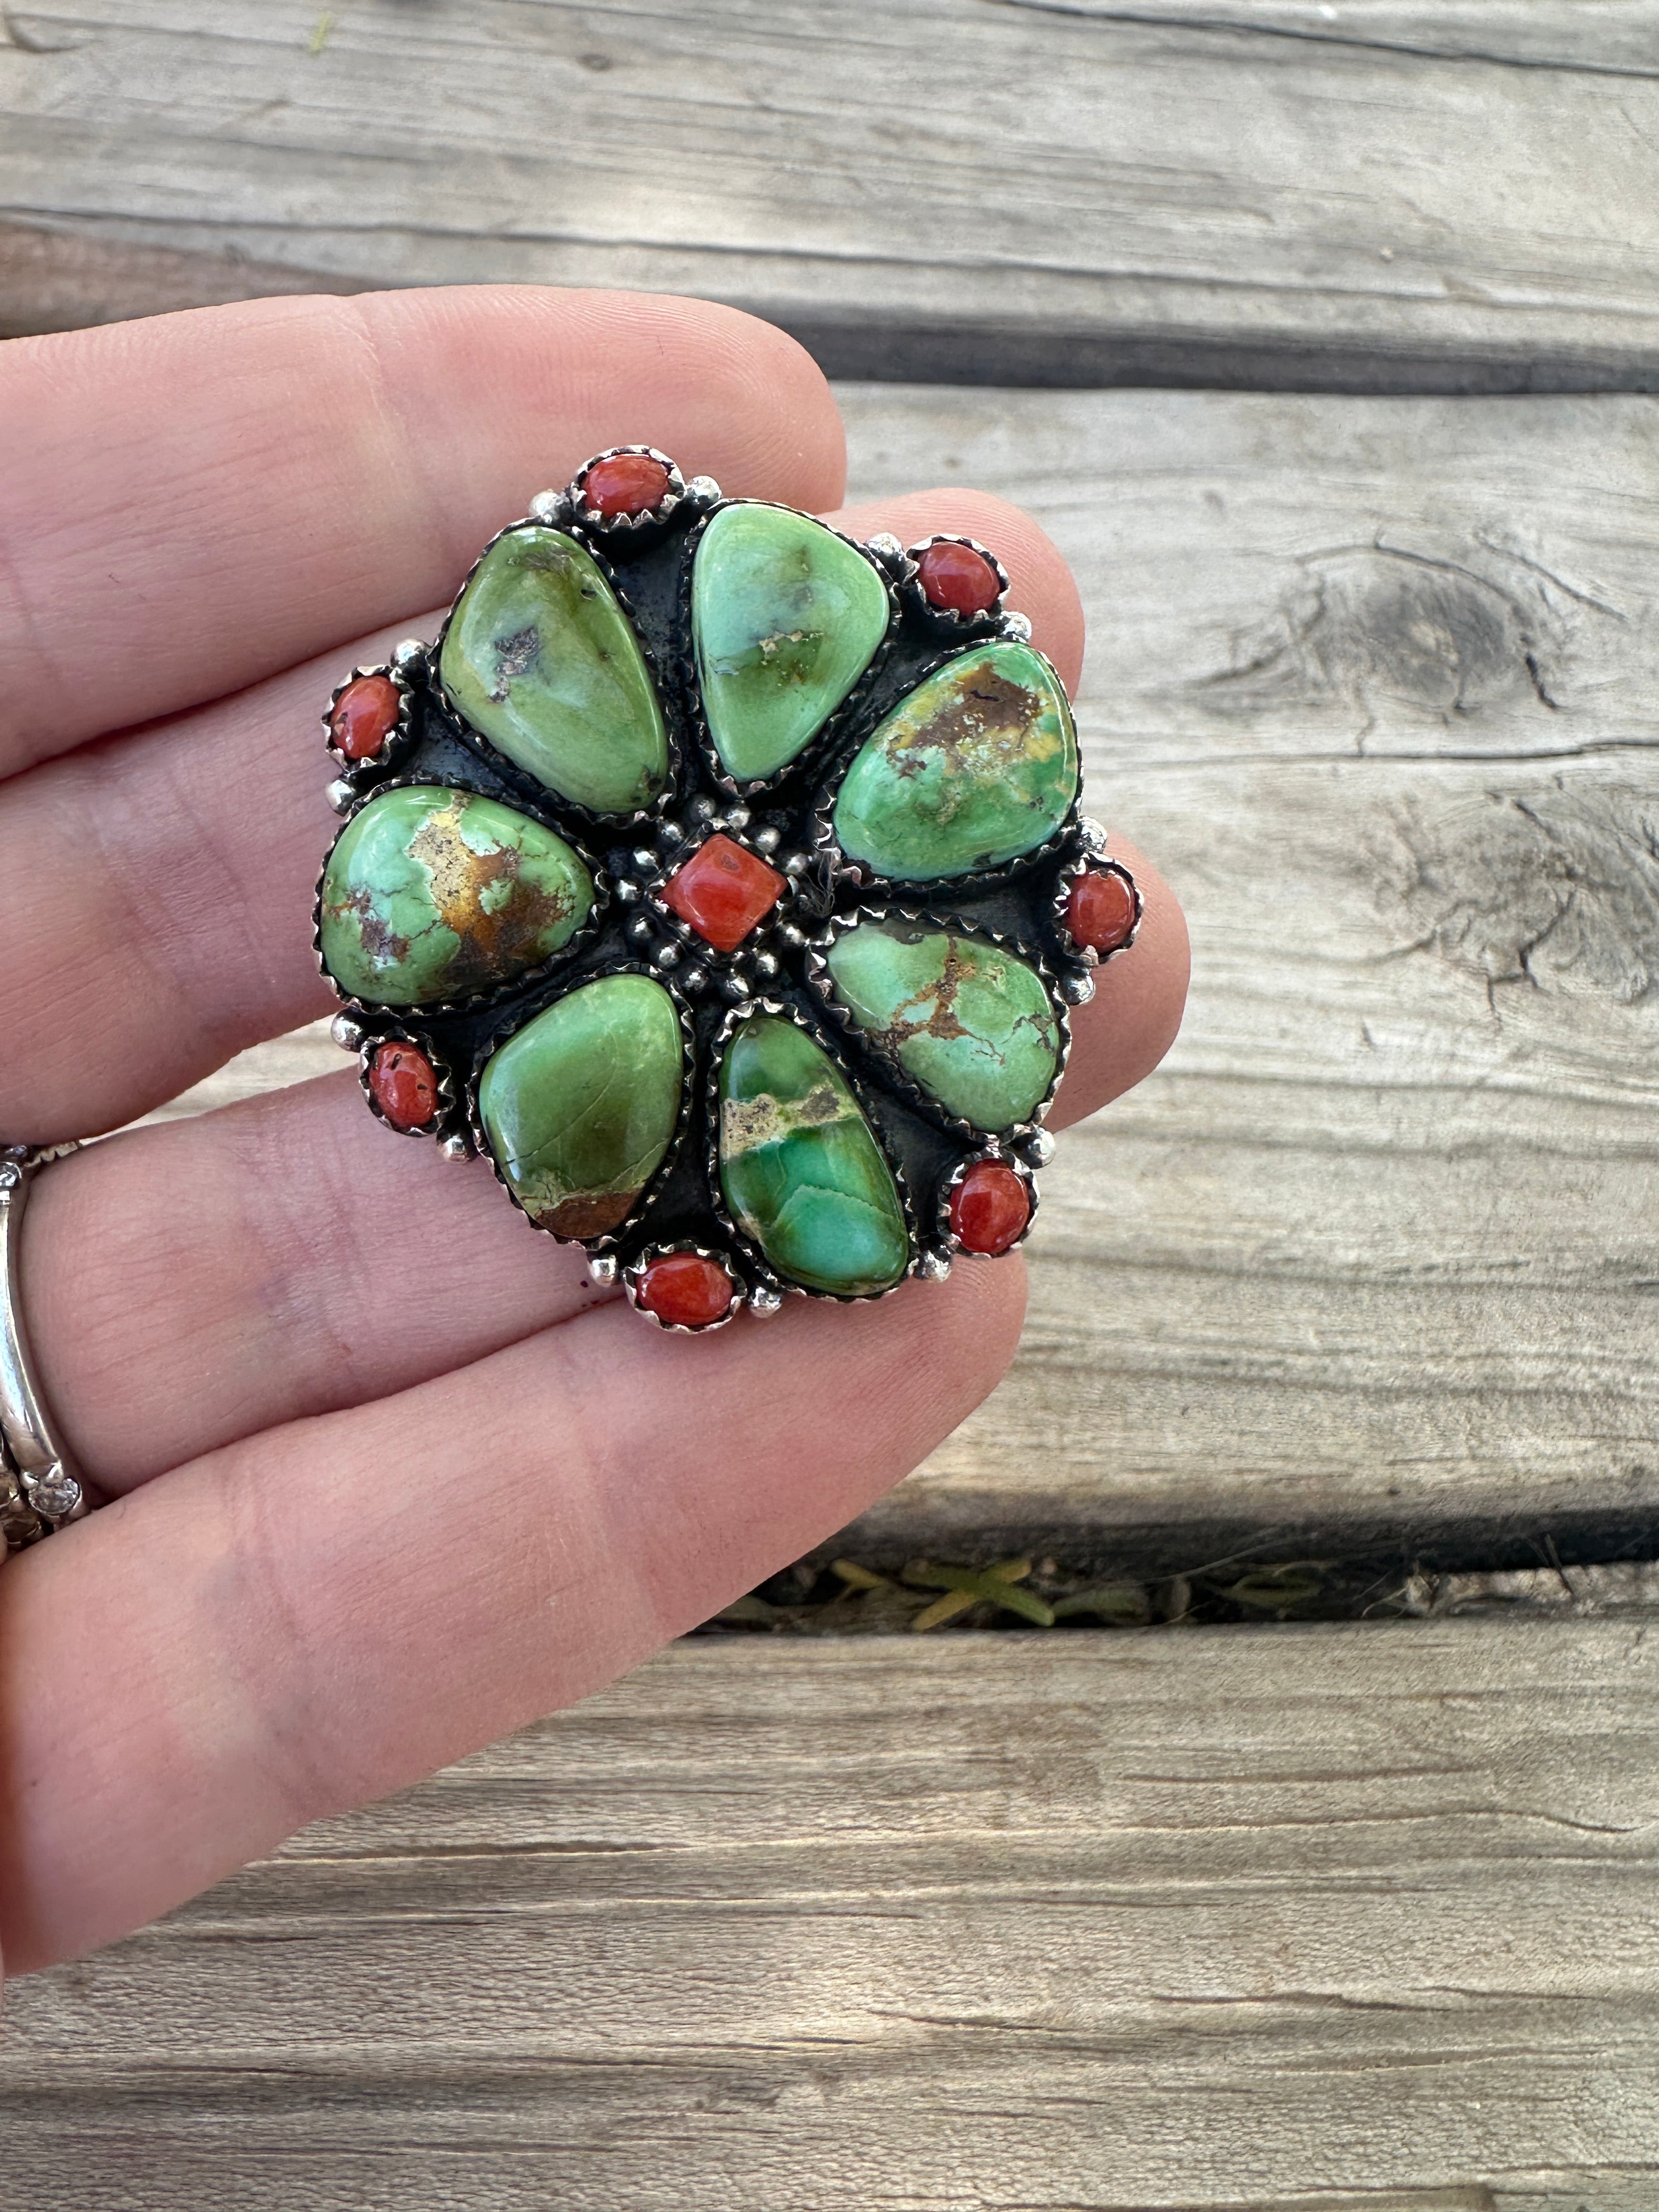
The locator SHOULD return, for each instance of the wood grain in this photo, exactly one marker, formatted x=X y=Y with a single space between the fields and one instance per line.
x=1373 y=1261
x=1369 y=1268
x=1357 y=1918
x=1377 y=195
x=1611 y=38
x=63 y=281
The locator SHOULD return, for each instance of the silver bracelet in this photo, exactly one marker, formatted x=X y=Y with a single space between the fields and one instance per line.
x=41 y=1488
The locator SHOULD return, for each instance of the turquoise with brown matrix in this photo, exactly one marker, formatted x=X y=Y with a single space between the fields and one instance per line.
x=540 y=658
x=581 y=1106
x=800 y=1169
x=785 y=617
x=432 y=894
x=968 y=1022
x=975 y=767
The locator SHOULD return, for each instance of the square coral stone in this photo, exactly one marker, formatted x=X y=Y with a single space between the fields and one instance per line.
x=722 y=891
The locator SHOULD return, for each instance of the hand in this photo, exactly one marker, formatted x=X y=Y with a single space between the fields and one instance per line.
x=390 y=1476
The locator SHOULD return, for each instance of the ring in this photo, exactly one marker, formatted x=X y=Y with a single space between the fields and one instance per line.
x=723 y=881
x=40 y=1489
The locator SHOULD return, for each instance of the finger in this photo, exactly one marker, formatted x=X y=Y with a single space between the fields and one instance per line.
x=155 y=890
x=155 y=901
x=194 y=1283
x=212 y=496
x=320 y=1616
x=198 y=1281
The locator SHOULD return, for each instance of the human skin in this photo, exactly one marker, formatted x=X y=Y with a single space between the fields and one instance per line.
x=388 y=1476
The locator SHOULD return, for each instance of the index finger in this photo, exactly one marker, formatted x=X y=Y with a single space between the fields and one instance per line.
x=197 y=501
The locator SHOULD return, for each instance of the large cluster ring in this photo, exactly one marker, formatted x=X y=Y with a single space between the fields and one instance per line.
x=723 y=881
x=40 y=1489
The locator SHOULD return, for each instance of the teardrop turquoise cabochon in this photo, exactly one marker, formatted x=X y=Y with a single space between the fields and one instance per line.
x=977 y=766
x=799 y=1166
x=540 y=658
x=785 y=617
x=966 y=1020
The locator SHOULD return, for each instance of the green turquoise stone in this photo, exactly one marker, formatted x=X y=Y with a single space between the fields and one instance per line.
x=968 y=1024
x=799 y=1166
x=581 y=1106
x=785 y=617
x=978 y=765
x=540 y=656
x=431 y=894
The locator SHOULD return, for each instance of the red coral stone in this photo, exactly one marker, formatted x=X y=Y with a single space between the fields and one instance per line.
x=723 y=891
x=364 y=716
x=1101 y=910
x=626 y=484
x=682 y=1288
x=989 y=1208
x=404 y=1086
x=955 y=576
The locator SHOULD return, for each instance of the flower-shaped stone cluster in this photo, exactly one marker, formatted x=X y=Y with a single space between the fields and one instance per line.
x=722 y=881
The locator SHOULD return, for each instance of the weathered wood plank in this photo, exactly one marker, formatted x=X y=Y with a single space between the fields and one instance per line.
x=1614 y=37
x=64 y=280
x=1359 y=1917
x=1370 y=1266
x=1416 y=198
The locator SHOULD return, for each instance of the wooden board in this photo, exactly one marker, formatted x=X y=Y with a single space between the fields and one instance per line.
x=1359 y=1919
x=1610 y=38
x=1370 y=1268
x=1374 y=196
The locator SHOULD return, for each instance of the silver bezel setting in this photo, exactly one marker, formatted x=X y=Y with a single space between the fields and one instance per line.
x=443 y=1122
x=1092 y=862
x=1007 y=1157
x=608 y=1239
x=370 y=1010
x=802 y=766
x=742 y=962
x=624 y=526
x=762 y=1270
x=894 y=1075
x=634 y=1274
x=951 y=621
x=395 y=744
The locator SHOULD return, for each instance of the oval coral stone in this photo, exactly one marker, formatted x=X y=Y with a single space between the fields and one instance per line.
x=365 y=714
x=404 y=1084
x=685 y=1290
x=989 y=1208
x=1101 y=910
x=956 y=577
x=625 y=484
